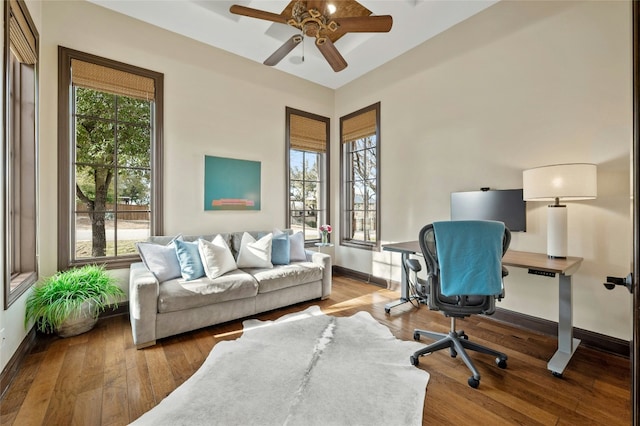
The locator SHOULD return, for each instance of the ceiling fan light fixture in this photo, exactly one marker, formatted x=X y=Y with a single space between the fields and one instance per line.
x=311 y=18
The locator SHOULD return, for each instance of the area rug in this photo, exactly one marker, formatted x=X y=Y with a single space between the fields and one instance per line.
x=306 y=368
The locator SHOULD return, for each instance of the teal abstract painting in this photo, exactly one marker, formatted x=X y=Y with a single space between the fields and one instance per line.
x=231 y=184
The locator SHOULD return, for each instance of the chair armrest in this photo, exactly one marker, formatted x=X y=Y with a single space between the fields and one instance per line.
x=324 y=260
x=413 y=264
x=505 y=272
x=143 y=304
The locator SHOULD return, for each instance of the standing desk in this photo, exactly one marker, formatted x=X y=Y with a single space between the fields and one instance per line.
x=537 y=264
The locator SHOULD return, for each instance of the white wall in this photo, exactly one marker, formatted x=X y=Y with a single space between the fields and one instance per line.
x=522 y=84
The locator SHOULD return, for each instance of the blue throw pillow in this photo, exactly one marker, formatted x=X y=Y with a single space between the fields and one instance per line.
x=280 y=249
x=189 y=257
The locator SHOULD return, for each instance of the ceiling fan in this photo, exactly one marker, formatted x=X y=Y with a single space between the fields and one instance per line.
x=313 y=19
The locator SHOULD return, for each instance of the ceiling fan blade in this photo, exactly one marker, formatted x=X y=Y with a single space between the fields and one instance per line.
x=331 y=54
x=256 y=13
x=319 y=5
x=365 y=24
x=283 y=50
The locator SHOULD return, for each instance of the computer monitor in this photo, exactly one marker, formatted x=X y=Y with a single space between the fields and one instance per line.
x=505 y=205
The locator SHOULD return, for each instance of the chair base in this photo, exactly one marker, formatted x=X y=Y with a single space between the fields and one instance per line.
x=458 y=343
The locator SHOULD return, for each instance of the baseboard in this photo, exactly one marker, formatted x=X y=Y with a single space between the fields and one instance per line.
x=110 y=311
x=368 y=278
x=11 y=369
x=589 y=338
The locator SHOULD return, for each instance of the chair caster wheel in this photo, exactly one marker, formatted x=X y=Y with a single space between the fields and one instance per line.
x=464 y=336
x=502 y=363
x=416 y=336
x=556 y=374
x=473 y=382
x=387 y=310
x=414 y=360
x=453 y=353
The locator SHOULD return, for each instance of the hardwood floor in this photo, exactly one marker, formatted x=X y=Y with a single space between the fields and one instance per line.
x=99 y=378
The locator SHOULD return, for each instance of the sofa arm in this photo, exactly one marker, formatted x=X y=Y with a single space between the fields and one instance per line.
x=143 y=305
x=324 y=260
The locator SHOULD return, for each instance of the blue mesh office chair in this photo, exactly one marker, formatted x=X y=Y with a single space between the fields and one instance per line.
x=471 y=252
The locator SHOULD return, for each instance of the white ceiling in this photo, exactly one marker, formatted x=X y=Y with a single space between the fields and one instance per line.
x=210 y=22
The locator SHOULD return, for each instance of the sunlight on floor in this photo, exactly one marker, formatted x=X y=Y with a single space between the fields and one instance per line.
x=378 y=296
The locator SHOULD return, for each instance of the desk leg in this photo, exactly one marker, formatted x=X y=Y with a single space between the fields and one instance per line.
x=404 y=281
x=567 y=345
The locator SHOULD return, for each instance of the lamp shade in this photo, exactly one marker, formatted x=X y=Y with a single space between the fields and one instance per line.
x=576 y=181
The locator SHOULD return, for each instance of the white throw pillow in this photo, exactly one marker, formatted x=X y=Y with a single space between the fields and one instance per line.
x=255 y=254
x=161 y=260
x=216 y=257
x=296 y=241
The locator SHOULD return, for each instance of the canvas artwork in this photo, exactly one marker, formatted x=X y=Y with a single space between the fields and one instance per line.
x=231 y=184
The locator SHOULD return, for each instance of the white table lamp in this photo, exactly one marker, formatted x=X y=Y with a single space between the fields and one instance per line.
x=566 y=182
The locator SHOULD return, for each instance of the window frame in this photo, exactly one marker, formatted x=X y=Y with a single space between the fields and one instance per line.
x=66 y=194
x=20 y=160
x=346 y=205
x=324 y=175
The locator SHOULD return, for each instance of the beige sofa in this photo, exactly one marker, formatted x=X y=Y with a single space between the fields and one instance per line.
x=162 y=309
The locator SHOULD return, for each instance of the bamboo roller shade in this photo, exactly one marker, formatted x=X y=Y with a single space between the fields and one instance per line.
x=359 y=126
x=110 y=80
x=307 y=134
x=23 y=41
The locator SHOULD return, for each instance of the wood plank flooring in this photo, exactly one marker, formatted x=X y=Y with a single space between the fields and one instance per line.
x=99 y=378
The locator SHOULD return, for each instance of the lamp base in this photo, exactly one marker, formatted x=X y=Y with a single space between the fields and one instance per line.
x=557 y=231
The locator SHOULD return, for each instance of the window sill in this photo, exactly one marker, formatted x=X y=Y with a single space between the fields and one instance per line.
x=360 y=245
x=109 y=263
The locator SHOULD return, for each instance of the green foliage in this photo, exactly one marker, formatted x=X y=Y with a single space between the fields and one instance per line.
x=112 y=136
x=304 y=180
x=59 y=297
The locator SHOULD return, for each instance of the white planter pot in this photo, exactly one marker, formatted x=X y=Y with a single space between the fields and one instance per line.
x=84 y=321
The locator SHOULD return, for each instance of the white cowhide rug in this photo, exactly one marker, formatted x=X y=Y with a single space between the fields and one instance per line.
x=305 y=368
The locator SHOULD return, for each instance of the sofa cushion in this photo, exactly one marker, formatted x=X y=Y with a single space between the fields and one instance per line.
x=255 y=254
x=280 y=249
x=164 y=239
x=285 y=276
x=296 y=244
x=236 y=240
x=189 y=258
x=178 y=294
x=160 y=259
x=216 y=257
x=297 y=247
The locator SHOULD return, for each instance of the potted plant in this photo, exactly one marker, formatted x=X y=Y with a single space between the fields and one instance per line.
x=69 y=302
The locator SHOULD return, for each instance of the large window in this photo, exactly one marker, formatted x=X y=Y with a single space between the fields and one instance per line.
x=308 y=177
x=19 y=150
x=360 y=174
x=110 y=159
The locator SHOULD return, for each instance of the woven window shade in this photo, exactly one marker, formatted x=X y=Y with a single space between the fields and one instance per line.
x=110 y=80
x=358 y=127
x=23 y=41
x=307 y=134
